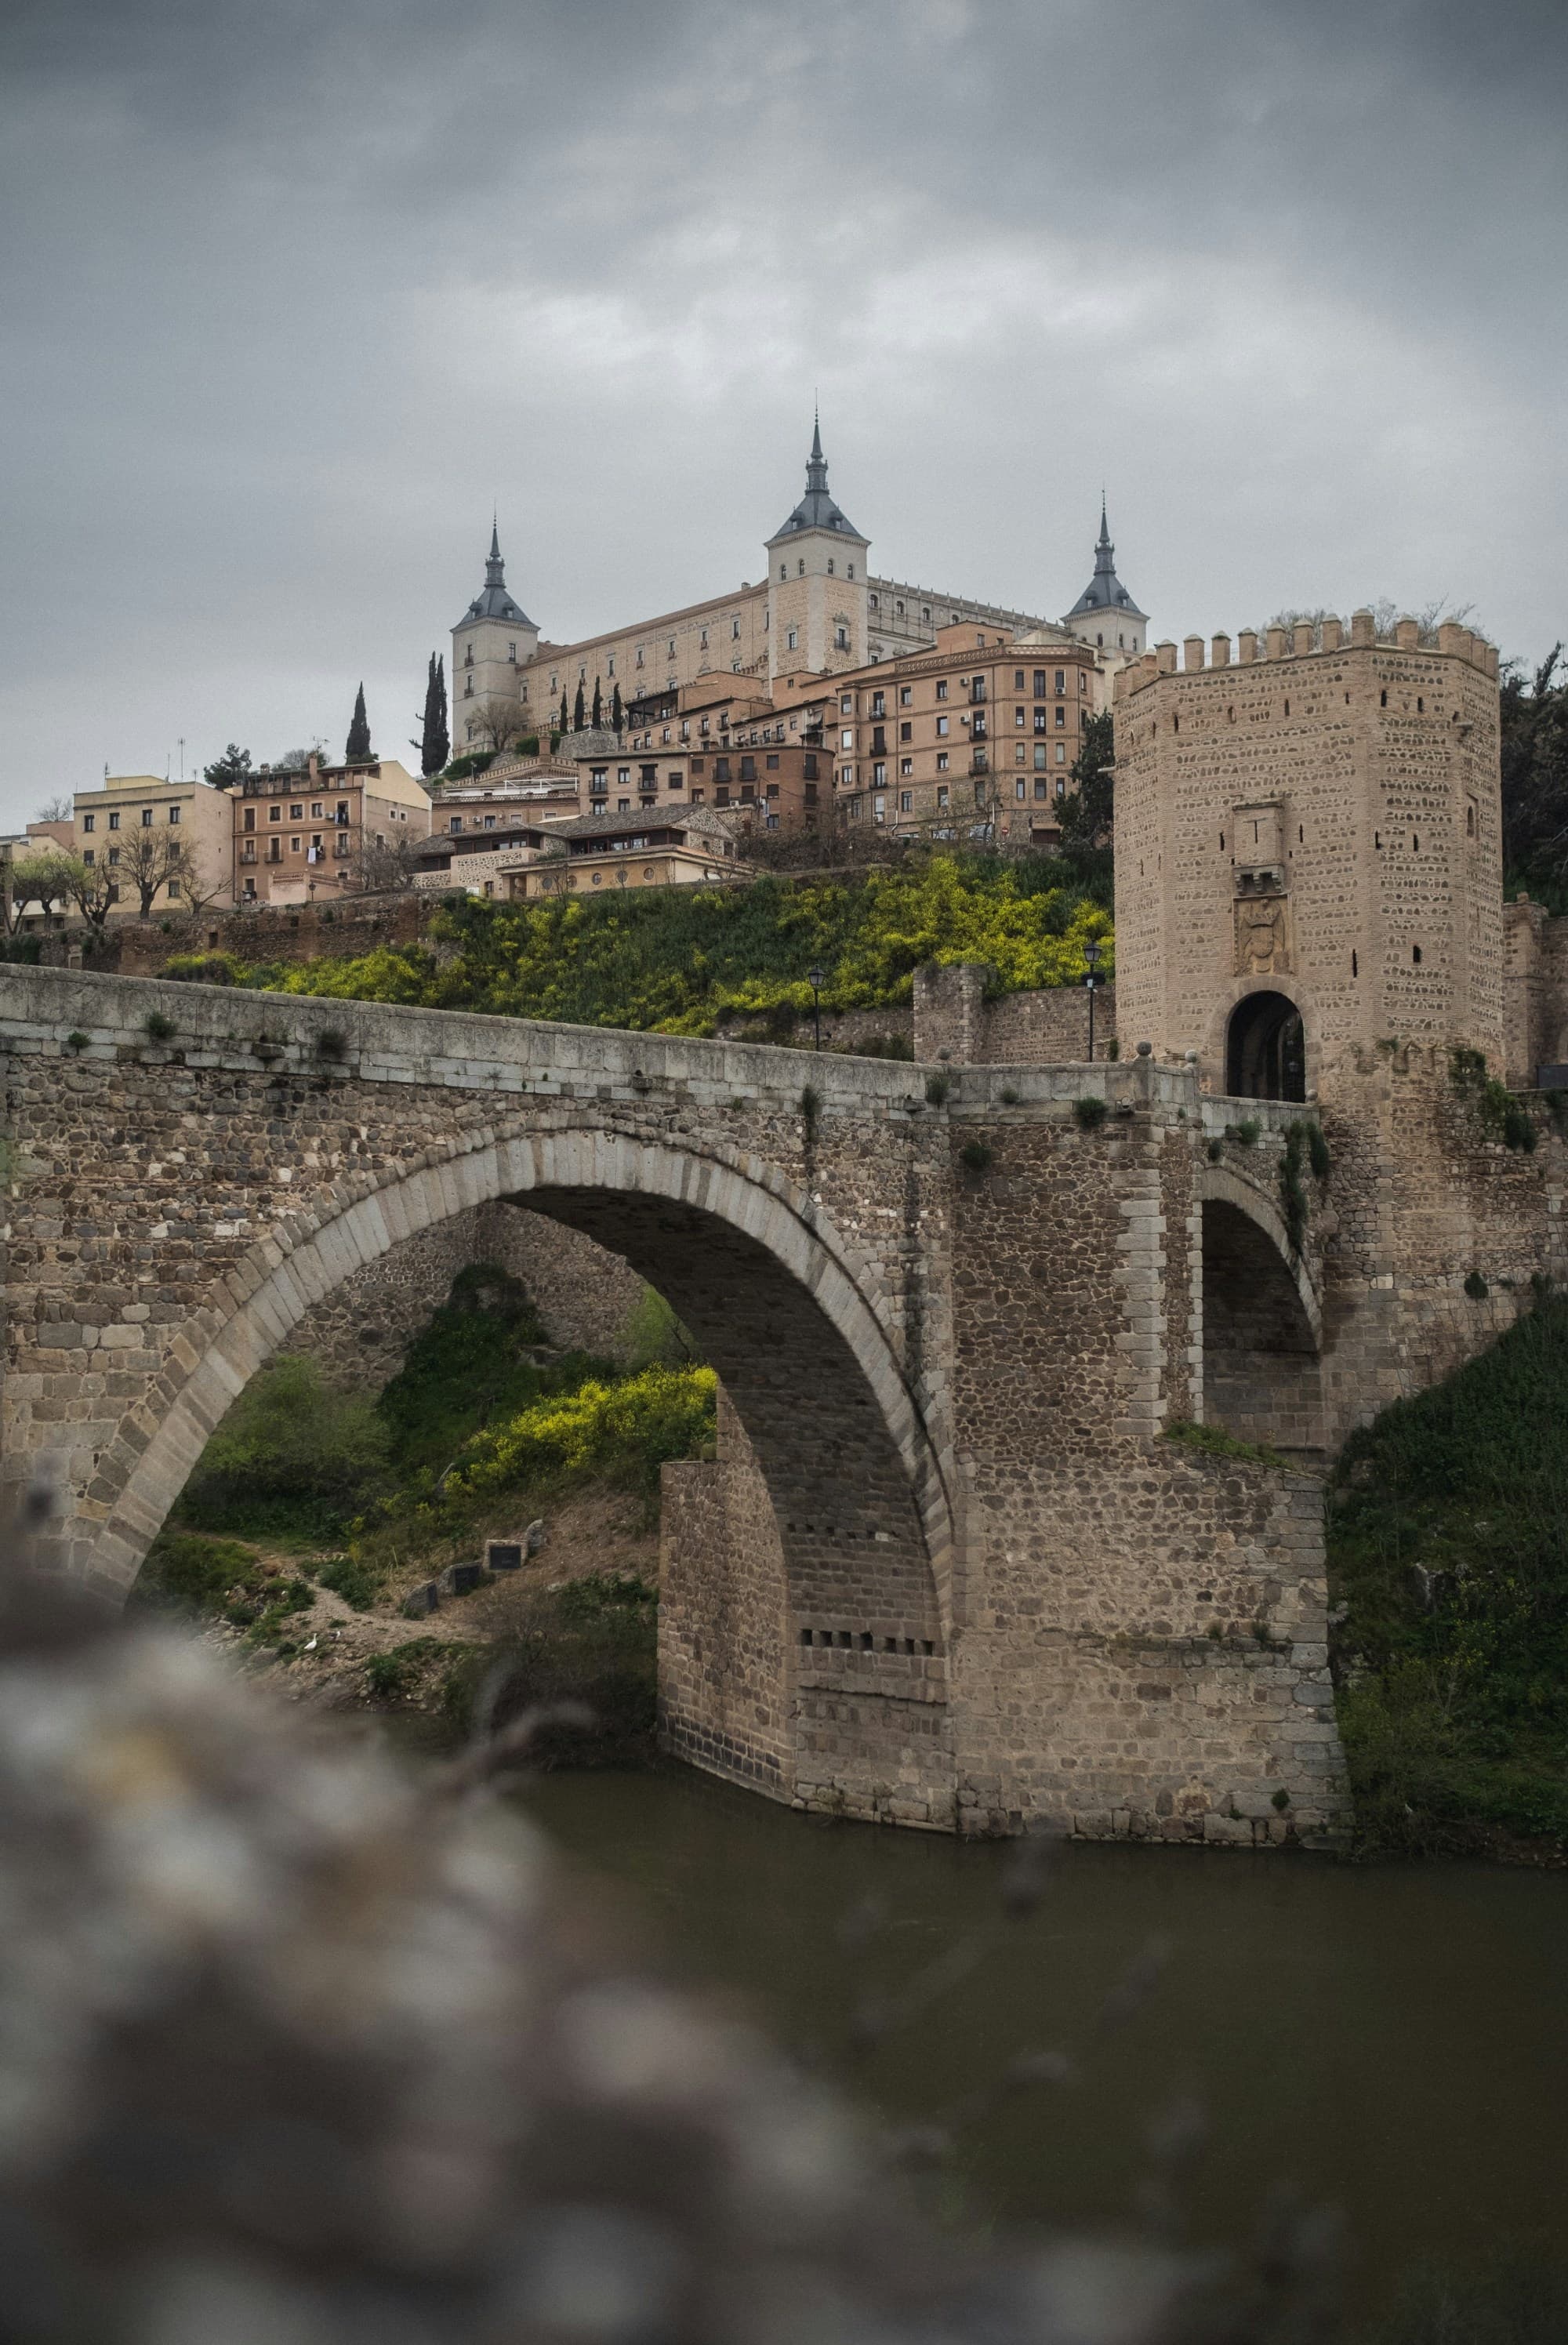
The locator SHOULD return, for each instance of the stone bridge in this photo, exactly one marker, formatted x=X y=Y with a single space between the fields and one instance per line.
x=947 y=1569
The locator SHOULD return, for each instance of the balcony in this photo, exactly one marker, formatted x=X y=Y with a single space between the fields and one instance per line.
x=980 y=761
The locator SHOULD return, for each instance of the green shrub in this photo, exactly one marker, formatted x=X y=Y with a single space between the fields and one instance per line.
x=157 y=1027
x=332 y=1043
x=77 y=1041
x=1008 y=1096
x=205 y=968
x=810 y=1110
x=471 y=1365
x=1248 y=1132
x=294 y=1457
x=1091 y=1112
x=936 y=1089
x=653 y=1335
x=622 y=1431
x=187 y=1571
x=1215 y=1150
x=688 y=960
x=1476 y=1288
x=357 y=1582
x=1448 y=1542
x=387 y=1675
x=975 y=1155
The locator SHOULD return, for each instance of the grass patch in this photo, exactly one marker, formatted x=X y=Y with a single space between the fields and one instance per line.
x=294 y=1461
x=1448 y=1544
x=202 y=1578
x=1213 y=1441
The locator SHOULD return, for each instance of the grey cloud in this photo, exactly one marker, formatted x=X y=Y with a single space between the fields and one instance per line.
x=299 y=289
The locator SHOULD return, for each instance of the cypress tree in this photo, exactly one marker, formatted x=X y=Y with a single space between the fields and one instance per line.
x=617 y=715
x=578 y=710
x=598 y=717
x=434 y=744
x=565 y=724
x=358 y=743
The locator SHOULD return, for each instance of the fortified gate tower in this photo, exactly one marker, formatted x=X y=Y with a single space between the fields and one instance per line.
x=1308 y=852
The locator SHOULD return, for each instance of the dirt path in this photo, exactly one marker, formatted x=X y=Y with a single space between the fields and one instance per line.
x=326 y=1649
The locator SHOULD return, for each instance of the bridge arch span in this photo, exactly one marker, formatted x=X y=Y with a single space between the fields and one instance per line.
x=1262 y=1320
x=699 y=1228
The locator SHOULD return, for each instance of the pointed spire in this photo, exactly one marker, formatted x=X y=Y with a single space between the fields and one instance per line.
x=494 y=568
x=816 y=463
x=1105 y=552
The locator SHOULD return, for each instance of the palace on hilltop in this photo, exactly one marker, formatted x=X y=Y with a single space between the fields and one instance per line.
x=820 y=611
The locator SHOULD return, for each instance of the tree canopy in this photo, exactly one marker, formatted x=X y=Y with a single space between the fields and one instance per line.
x=227 y=773
x=1535 y=778
x=357 y=747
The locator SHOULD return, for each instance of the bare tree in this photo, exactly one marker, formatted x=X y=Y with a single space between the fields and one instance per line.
x=151 y=860
x=496 y=725
x=384 y=866
x=60 y=809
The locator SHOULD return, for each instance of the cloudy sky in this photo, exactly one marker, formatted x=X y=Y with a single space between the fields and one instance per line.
x=296 y=291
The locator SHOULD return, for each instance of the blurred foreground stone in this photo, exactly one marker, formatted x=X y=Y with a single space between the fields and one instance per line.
x=296 y=2050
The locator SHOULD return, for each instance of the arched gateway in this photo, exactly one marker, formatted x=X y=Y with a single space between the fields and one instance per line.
x=944 y=1571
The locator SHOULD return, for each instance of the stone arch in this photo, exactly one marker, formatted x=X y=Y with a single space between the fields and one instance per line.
x=722 y=1239
x=1266 y=1047
x=1261 y=1321
x=1214 y=1060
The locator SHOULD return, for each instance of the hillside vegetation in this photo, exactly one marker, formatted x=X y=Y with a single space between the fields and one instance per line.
x=312 y=1512
x=688 y=960
x=1448 y=1544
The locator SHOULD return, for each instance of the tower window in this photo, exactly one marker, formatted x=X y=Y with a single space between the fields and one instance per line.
x=1355 y=966
x=1383 y=700
x=1415 y=955
x=800 y=569
x=830 y=566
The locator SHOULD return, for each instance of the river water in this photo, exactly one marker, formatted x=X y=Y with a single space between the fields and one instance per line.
x=1389 y=2041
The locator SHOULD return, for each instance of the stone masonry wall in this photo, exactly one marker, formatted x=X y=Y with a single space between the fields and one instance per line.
x=1322 y=822
x=585 y=1298
x=954 y=1020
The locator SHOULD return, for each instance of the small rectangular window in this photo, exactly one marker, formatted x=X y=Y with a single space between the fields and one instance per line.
x=905 y=801
x=942 y=689
x=114 y=821
x=89 y=822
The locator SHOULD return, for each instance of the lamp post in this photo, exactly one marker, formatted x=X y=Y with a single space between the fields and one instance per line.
x=1091 y=955
x=816 y=978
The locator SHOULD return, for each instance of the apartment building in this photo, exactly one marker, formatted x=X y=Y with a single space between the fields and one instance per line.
x=604 y=853
x=735 y=752
x=975 y=737
x=124 y=830
x=298 y=834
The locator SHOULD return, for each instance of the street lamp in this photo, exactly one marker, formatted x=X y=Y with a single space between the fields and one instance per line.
x=1091 y=955
x=816 y=978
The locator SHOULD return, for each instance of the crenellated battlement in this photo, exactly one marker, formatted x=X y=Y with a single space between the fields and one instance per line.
x=1309 y=640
